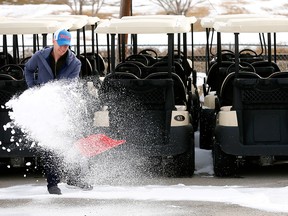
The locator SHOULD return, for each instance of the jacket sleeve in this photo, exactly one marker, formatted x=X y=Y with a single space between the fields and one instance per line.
x=75 y=72
x=29 y=70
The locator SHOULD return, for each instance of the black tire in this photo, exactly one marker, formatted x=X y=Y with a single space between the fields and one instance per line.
x=207 y=127
x=182 y=165
x=224 y=164
x=186 y=163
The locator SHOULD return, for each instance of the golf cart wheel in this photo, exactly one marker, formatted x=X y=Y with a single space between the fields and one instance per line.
x=224 y=164
x=207 y=126
x=184 y=164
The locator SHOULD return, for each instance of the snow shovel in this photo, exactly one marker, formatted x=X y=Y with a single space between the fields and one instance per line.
x=95 y=144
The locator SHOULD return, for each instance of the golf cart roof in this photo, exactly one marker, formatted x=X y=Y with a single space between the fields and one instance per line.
x=255 y=25
x=92 y=20
x=190 y=19
x=78 y=21
x=30 y=26
x=208 y=22
x=44 y=24
x=146 y=25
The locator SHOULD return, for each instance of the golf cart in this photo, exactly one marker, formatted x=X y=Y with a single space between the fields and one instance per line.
x=144 y=104
x=250 y=121
x=219 y=63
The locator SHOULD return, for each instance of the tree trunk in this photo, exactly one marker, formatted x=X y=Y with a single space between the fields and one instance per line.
x=125 y=8
x=124 y=11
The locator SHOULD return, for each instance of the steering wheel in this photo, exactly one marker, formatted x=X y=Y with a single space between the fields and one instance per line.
x=138 y=58
x=226 y=51
x=247 y=52
x=243 y=66
x=149 y=52
x=129 y=67
x=12 y=70
x=226 y=55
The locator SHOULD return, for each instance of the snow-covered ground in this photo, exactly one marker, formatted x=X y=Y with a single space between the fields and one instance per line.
x=267 y=199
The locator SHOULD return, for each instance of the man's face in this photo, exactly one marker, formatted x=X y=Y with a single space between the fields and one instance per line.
x=60 y=50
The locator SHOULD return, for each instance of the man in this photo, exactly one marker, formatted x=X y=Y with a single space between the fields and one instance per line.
x=54 y=63
x=57 y=62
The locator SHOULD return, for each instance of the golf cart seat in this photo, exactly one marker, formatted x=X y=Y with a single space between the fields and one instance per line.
x=265 y=68
x=226 y=92
x=6 y=77
x=179 y=89
x=217 y=74
x=6 y=59
x=279 y=75
x=130 y=67
x=151 y=59
x=262 y=111
x=138 y=58
x=243 y=66
x=96 y=61
x=150 y=54
x=86 y=67
x=162 y=66
x=142 y=104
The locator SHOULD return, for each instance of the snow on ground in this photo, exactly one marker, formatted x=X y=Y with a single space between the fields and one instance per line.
x=267 y=199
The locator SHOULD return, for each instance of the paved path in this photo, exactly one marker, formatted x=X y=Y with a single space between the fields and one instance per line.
x=257 y=177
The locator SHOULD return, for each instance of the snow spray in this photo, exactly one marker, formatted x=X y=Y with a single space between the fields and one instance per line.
x=54 y=116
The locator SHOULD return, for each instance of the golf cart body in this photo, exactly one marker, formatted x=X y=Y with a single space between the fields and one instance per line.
x=251 y=119
x=146 y=105
x=219 y=64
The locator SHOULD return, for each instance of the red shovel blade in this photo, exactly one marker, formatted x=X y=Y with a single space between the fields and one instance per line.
x=96 y=144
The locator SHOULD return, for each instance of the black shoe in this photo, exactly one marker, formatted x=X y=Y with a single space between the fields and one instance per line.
x=82 y=185
x=54 y=190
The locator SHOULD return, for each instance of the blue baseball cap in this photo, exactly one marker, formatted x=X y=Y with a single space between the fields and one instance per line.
x=63 y=37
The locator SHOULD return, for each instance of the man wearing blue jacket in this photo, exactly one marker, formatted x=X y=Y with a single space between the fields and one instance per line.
x=57 y=62
x=54 y=63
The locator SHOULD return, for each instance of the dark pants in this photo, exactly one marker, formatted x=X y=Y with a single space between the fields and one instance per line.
x=52 y=168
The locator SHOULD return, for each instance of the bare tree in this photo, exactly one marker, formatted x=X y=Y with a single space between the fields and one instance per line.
x=21 y=2
x=77 y=6
x=96 y=5
x=177 y=7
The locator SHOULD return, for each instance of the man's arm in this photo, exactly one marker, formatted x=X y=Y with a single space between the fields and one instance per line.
x=29 y=71
x=75 y=72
